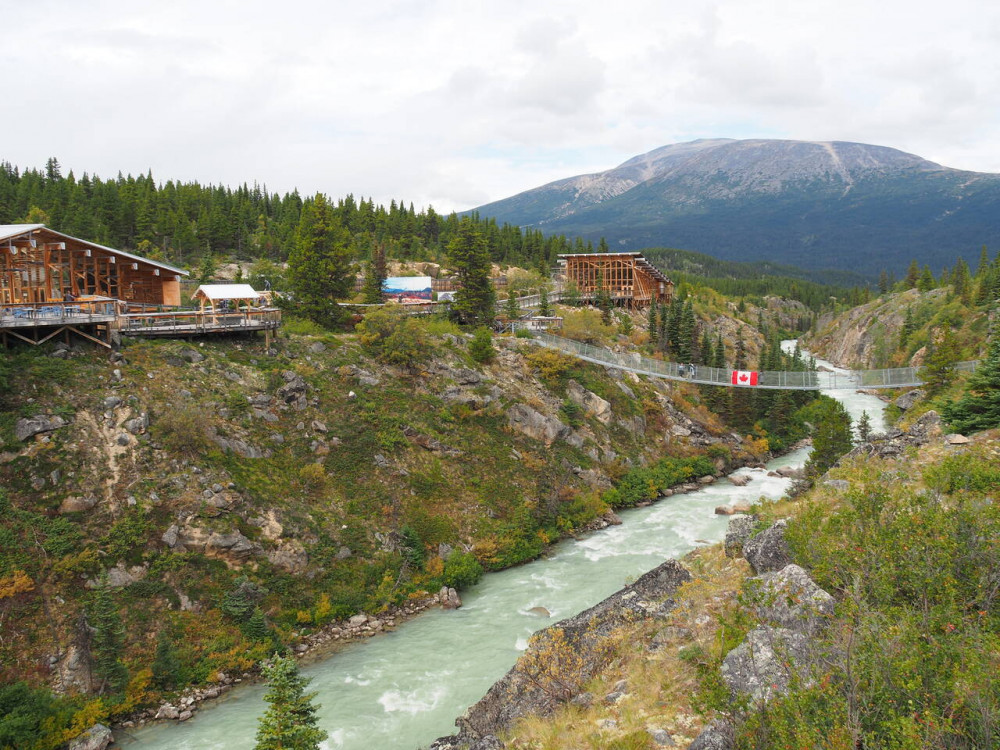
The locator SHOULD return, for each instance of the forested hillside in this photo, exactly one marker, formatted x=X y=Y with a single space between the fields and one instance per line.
x=184 y=222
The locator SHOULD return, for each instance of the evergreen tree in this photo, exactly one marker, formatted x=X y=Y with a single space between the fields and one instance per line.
x=961 y=281
x=979 y=408
x=864 y=427
x=603 y=301
x=912 y=275
x=108 y=640
x=481 y=347
x=256 y=627
x=475 y=298
x=544 y=308
x=319 y=266
x=907 y=329
x=376 y=276
x=166 y=664
x=290 y=721
x=831 y=436
x=513 y=311
x=939 y=364
x=883 y=281
x=653 y=322
x=926 y=282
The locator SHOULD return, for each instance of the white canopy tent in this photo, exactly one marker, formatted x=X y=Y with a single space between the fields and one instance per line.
x=214 y=295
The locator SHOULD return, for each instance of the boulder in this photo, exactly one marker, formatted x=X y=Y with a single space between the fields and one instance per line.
x=97 y=737
x=719 y=735
x=790 y=599
x=167 y=711
x=738 y=533
x=290 y=556
x=908 y=399
x=766 y=662
x=840 y=485
x=768 y=550
x=591 y=403
x=534 y=424
x=956 y=439
x=293 y=392
x=77 y=504
x=137 y=425
x=740 y=480
x=449 y=598
x=191 y=355
x=234 y=544
x=27 y=427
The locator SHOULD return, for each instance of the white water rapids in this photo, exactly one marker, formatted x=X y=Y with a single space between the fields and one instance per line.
x=403 y=689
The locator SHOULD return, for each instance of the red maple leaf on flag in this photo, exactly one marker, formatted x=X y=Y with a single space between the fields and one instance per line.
x=744 y=377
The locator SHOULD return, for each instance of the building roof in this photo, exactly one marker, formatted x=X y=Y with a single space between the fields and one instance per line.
x=226 y=291
x=10 y=231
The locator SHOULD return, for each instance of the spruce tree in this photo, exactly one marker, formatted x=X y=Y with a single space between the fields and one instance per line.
x=653 y=322
x=864 y=428
x=319 y=266
x=469 y=254
x=979 y=408
x=166 y=664
x=939 y=364
x=831 y=436
x=108 y=640
x=544 y=308
x=290 y=722
x=376 y=276
x=513 y=311
x=912 y=275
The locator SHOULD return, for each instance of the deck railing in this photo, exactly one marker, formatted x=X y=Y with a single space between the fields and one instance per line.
x=196 y=321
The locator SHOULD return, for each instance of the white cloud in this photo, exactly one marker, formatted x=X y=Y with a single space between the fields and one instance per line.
x=458 y=104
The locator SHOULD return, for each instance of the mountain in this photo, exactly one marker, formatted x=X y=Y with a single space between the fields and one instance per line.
x=810 y=204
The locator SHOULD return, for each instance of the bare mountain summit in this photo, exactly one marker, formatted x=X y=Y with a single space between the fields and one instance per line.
x=811 y=204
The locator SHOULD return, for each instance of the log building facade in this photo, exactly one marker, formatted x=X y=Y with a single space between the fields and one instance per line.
x=630 y=279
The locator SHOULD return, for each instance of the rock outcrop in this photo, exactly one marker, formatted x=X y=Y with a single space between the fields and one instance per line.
x=768 y=550
x=567 y=654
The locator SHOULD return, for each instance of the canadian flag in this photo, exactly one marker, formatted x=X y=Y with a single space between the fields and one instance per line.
x=744 y=377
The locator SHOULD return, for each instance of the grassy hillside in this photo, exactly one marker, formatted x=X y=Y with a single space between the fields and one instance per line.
x=210 y=502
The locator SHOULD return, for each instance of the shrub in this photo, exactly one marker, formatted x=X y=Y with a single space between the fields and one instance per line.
x=461 y=570
x=393 y=337
x=481 y=348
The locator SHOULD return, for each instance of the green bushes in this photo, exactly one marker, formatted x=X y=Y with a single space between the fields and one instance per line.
x=918 y=624
x=461 y=570
x=646 y=483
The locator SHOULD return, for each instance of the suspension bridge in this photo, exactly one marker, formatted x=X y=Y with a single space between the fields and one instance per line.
x=840 y=380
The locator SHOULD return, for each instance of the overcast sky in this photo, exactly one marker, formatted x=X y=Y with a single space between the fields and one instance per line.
x=456 y=104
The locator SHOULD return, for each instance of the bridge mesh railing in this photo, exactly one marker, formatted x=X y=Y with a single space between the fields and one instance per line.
x=888 y=378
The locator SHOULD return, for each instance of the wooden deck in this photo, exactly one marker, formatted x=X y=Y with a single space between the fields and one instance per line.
x=102 y=322
x=186 y=323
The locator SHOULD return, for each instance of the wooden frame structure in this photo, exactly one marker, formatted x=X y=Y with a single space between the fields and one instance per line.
x=42 y=266
x=630 y=279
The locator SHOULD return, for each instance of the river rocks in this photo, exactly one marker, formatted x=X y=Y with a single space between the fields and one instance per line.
x=768 y=550
x=167 y=711
x=518 y=693
x=27 y=427
x=534 y=424
x=790 y=599
x=766 y=662
x=540 y=611
x=739 y=480
x=705 y=480
x=98 y=737
x=449 y=598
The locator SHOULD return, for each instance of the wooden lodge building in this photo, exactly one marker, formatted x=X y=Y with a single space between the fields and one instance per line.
x=39 y=266
x=52 y=284
x=631 y=280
